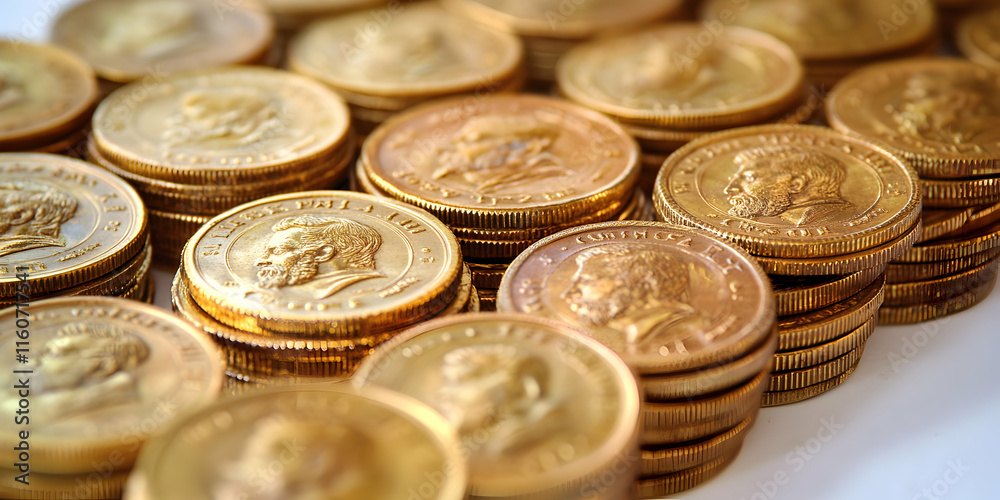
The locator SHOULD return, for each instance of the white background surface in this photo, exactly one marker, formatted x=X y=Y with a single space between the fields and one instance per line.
x=918 y=419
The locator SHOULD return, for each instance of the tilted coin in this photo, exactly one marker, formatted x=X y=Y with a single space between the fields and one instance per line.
x=798 y=379
x=65 y=222
x=939 y=289
x=940 y=114
x=983 y=239
x=801 y=294
x=328 y=442
x=819 y=354
x=981 y=217
x=907 y=273
x=938 y=222
x=127 y=40
x=666 y=298
x=105 y=373
x=824 y=325
x=978 y=37
x=335 y=264
x=657 y=462
x=960 y=193
x=778 y=398
x=928 y=311
x=541 y=407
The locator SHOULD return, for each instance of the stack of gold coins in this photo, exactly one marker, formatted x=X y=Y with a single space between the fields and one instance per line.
x=542 y=410
x=69 y=228
x=307 y=442
x=834 y=38
x=199 y=143
x=671 y=84
x=421 y=53
x=46 y=98
x=303 y=286
x=145 y=40
x=550 y=28
x=978 y=37
x=95 y=377
x=692 y=314
x=503 y=172
x=943 y=116
x=823 y=213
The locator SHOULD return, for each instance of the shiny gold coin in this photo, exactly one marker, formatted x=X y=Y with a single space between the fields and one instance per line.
x=510 y=162
x=779 y=398
x=938 y=222
x=237 y=385
x=129 y=40
x=487 y=275
x=960 y=193
x=819 y=354
x=939 y=114
x=978 y=37
x=790 y=191
x=878 y=258
x=487 y=299
x=658 y=462
x=802 y=294
x=908 y=273
x=330 y=442
x=968 y=244
x=424 y=52
x=926 y=312
x=649 y=78
x=45 y=93
x=113 y=370
x=937 y=290
x=663 y=486
x=65 y=222
x=222 y=126
x=96 y=484
x=980 y=218
x=666 y=298
x=698 y=418
x=548 y=407
x=331 y=264
x=824 y=325
x=293 y=14
x=798 y=379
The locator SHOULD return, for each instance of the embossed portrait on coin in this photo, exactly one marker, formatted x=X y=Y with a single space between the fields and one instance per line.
x=150 y=28
x=31 y=216
x=232 y=117
x=500 y=389
x=798 y=184
x=291 y=458
x=666 y=72
x=953 y=110
x=491 y=153
x=407 y=52
x=637 y=290
x=323 y=254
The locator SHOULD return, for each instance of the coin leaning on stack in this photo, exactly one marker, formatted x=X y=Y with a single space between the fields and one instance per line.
x=504 y=173
x=70 y=228
x=301 y=287
x=692 y=314
x=940 y=115
x=823 y=213
x=196 y=144
x=541 y=409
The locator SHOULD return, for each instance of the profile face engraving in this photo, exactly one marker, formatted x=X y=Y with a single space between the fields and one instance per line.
x=633 y=289
x=953 y=110
x=407 y=52
x=31 y=216
x=492 y=153
x=664 y=69
x=301 y=246
x=800 y=185
x=150 y=28
x=236 y=117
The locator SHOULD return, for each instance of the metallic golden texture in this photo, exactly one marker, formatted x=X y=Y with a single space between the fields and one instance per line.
x=968 y=244
x=824 y=325
x=938 y=222
x=982 y=217
x=940 y=289
x=978 y=37
x=822 y=353
x=926 y=312
x=798 y=379
x=802 y=294
x=779 y=398
x=102 y=484
x=658 y=462
x=907 y=273
x=664 y=486
x=960 y=193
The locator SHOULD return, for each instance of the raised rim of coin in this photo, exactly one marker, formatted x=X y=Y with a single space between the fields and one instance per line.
x=878 y=257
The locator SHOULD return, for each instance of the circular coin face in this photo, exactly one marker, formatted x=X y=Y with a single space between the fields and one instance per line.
x=125 y=40
x=978 y=37
x=64 y=222
x=221 y=126
x=943 y=115
x=44 y=92
x=537 y=405
x=666 y=298
x=331 y=263
x=101 y=375
x=506 y=162
x=423 y=50
x=320 y=441
x=790 y=191
x=654 y=77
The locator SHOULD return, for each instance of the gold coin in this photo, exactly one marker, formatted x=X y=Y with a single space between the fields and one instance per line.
x=46 y=93
x=649 y=78
x=797 y=379
x=96 y=484
x=658 y=462
x=937 y=290
x=926 y=312
x=487 y=275
x=113 y=371
x=222 y=126
x=978 y=37
x=819 y=354
x=128 y=40
x=790 y=191
x=332 y=264
x=541 y=407
x=698 y=418
x=960 y=193
x=823 y=325
x=663 y=486
x=982 y=217
x=802 y=294
x=424 y=51
x=940 y=114
x=293 y=14
x=968 y=244
x=509 y=162
x=938 y=222
x=908 y=273
x=237 y=385
x=666 y=298
x=66 y=222
x=487 y=299
x=779 y=398
x=329 y=441
x=878 y=257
